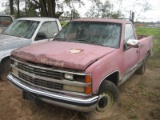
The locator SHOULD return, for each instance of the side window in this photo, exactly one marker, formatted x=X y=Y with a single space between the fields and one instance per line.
x=47 y=30
x=129 y=34
x=5 y=21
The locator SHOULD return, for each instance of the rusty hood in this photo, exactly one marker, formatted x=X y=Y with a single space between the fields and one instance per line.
x=63 y=54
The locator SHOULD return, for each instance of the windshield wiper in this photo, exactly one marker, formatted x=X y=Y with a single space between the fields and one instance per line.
x=5 y=33
x=19 y=36
x=82 y=40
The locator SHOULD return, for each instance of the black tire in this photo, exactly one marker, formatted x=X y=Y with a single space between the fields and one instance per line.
x=5 y=67
x=108 y=97
x=141 y=70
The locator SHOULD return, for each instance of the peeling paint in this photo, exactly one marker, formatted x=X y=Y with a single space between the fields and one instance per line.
x=57 y=54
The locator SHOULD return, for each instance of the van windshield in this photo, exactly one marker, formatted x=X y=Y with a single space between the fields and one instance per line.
x=97 y=33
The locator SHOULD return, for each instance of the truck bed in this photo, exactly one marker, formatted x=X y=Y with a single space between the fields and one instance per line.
x=142 y=36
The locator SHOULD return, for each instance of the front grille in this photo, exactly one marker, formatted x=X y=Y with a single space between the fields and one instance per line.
x=41 y=72
x=39 y=82
x=47 y=78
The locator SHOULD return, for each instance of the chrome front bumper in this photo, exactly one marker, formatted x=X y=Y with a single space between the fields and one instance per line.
x=79 y=104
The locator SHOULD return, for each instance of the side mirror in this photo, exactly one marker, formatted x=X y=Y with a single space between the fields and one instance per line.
x=133 y=43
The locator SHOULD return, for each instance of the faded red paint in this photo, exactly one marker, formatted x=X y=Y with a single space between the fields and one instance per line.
x=102 y=20
x=96 y=60
x=59 y=54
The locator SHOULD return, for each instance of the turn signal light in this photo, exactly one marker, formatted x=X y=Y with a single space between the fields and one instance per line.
x=88 y=90
x=88 y=79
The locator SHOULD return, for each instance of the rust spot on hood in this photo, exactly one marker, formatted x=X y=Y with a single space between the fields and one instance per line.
x=75 y=51
x=42 y=58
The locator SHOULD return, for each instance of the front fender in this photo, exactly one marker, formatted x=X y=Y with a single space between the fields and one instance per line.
x=6 y=53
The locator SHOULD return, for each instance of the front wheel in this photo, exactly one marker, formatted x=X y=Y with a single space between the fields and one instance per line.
x=4 y=67
x=108 y=96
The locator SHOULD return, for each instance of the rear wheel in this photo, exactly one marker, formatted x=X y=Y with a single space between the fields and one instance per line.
x=108 y=96
x=141 y=70
x=4 y=67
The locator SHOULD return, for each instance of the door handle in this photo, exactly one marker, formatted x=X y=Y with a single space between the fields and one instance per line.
x=137 y=51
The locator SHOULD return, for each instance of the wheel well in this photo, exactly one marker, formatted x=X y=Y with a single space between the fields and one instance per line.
x=114 y=77
x=3 y=60
x=149 y=53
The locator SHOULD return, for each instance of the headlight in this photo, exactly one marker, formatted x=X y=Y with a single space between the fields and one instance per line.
x=13 y=62
x=68 y=76
x=79 y=78
x=85 y=79
x=86 y=90
x=73 y=88
x=14 y=70
x=16 y=63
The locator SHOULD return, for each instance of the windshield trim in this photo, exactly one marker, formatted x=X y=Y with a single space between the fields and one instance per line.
x=119 y=25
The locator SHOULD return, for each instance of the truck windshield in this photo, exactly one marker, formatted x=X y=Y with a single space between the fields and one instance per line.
x=22 y=28
x=97 y=33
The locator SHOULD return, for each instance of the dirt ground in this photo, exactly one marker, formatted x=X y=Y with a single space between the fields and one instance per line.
x=140 y=100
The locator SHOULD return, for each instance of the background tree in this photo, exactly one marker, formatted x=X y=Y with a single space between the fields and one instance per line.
x=143 y=5
x=102 y=9
x=95 y=10
x=74 y=14
x=47 y=8
x=11 y=7
x=18 y=9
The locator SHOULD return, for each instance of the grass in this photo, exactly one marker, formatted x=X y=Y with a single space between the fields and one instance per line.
x=63 y=23
x=133 y=116
x=141 y=86
x=148 y=31
x=155 y=32
x=154 y=61
x=144 y=91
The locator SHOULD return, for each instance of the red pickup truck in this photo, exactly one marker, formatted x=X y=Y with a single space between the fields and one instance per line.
x=83 y=66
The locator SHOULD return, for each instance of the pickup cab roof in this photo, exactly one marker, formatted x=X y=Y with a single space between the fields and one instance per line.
x=38 y=19
x=103 y=20
x=7 y=15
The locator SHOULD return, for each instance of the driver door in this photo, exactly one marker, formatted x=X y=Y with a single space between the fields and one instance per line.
x=46 y=32
x=131 y=55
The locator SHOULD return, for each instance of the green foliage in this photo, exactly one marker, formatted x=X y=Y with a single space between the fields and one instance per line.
x=63 y=23
x=44 y=8
x=101 y=9
x=148 y=31
x=117 y=15
x=155 y=32
x=61 y=5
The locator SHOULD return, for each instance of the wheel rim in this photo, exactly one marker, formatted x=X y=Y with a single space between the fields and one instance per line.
x=105 y=103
